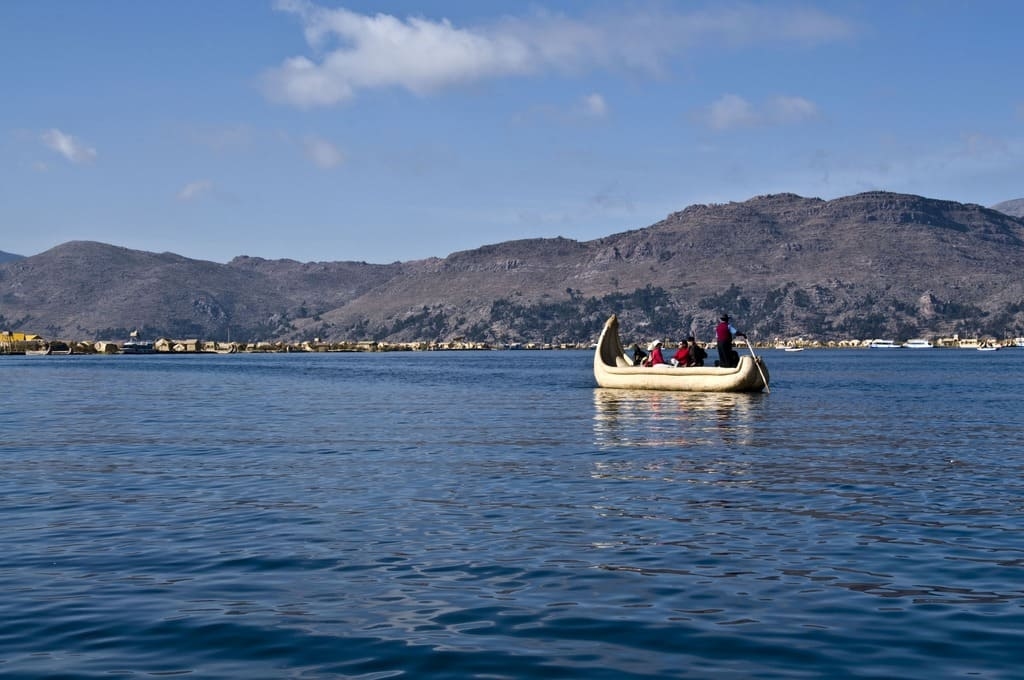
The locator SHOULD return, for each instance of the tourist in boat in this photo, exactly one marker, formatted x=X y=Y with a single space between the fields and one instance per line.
x=638 y=355
x=724 y=335
x=697 y=353
x=682 y=355
x=655 y=357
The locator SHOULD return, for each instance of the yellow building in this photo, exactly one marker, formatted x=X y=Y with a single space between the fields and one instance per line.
x=16 y=343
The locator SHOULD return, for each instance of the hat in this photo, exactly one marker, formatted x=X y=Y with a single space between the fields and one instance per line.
x=654 y=343
x=689 y=338
x=725 y=317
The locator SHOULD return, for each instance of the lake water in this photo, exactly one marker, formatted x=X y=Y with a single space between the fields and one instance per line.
x=495 y=515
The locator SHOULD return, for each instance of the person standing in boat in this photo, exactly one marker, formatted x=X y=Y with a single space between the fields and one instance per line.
x=655 y=357
x=724 y=334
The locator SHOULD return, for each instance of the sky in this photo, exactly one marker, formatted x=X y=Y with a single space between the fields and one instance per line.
x=395 y=131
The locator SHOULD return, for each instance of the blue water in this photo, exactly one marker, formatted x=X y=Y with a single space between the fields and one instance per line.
x=495 y=515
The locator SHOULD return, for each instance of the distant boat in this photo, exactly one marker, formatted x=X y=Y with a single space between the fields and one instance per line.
x=793 y=349
x=878 y=343
x=49 y=348
x=1018 y=342
x=136 y=346
x=60 y=347
x=918 y=343
x=988 y=347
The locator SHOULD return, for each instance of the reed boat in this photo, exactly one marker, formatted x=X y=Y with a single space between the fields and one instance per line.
x=612 y=368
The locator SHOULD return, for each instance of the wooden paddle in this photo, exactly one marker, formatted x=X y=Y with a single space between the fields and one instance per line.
x=758 y=364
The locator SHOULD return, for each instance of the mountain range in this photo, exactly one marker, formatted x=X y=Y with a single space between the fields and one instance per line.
x=875 y=264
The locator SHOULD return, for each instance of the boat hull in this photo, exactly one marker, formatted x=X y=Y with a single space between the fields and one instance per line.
x=612 y=369
x=138 y=348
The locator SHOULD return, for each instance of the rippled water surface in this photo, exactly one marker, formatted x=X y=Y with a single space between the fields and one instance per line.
x=495 y=515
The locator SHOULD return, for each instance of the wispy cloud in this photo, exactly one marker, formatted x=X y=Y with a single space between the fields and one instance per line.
x=790 y=110
x=354 y=52
x=195 y=190
x=595 y=106
x=588 y=108
x=322 y=153
x=68 y=146
x=731 y=111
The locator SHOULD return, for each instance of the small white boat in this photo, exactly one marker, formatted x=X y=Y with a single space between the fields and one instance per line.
x=988 y=348
x=136 y=346
x=878 y=343
x=612 y=368
x=56 y=347
x=918 y=343
x=793 y=349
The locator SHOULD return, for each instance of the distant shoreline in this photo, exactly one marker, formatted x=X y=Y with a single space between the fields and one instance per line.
x=31 y=347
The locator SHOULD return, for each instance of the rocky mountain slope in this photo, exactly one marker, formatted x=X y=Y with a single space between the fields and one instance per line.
x=873 y=264
x=1014 y=207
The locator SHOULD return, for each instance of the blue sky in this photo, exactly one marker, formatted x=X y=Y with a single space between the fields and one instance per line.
x=386 y=131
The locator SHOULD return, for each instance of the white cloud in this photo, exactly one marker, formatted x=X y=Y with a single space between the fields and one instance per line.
x=195 y=190
x=68 y=146
x=356 y=51
x=595 y=106
x=383 y=51
x=322 y=153
x=791 y=110
x=731 y=111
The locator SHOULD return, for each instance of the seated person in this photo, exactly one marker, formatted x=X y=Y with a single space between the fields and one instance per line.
x=655 y=357
x=682 y=355
x=697 y=355
x=638 y=355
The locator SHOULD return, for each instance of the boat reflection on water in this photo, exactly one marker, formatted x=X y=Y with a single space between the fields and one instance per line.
x=642 y=418
x=676 y=437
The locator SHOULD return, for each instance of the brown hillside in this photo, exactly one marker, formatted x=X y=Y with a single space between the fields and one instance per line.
x=872 y=264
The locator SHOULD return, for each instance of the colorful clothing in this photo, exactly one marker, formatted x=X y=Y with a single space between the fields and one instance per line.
x=724 y=333
x=655 y=357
